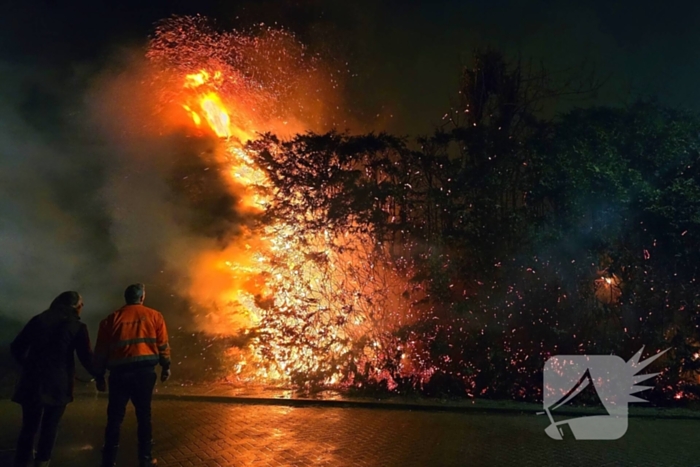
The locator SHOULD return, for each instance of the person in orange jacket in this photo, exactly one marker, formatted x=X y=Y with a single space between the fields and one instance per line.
x=131 y=342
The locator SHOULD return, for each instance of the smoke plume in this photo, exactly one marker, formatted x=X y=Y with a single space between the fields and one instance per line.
x=94 y=196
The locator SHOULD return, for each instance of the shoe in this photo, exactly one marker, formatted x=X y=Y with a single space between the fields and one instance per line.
x=109 y=456
x=150 y=462
x=24 y=461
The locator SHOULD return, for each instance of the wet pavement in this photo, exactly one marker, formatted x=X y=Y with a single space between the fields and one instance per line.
x=195 y=433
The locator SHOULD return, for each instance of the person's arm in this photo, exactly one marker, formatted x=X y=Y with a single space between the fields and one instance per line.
x=163 y=347
x=84 y=350
x=20 y=346
x=101 y=354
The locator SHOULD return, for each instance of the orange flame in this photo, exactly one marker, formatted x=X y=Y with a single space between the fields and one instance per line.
x=210 y=103
x=276 y=273
x=195 y=116
x=216 y=115
x=210 y=106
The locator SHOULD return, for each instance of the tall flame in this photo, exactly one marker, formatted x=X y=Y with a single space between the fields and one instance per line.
x=210 y=104
x=316 y=300
x=216 y=115
x=293 y=281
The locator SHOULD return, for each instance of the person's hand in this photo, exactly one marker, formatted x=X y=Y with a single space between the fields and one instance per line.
x=101 y=384
x=165 y=374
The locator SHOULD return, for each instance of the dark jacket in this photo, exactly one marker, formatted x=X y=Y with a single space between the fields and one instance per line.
x=45 y=349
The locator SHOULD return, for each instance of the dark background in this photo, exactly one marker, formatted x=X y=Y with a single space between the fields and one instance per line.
x=404 y=56
x=404 y=59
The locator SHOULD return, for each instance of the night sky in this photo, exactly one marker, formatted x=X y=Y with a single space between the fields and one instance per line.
x=406 y=55
x=77 y=211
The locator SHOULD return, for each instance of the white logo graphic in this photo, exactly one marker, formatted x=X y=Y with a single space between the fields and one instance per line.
x=607 y=377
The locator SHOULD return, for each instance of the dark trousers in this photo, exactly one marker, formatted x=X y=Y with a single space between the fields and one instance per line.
x=137 y=387
x=36 y=417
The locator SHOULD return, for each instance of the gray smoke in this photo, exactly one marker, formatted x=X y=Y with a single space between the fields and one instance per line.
x=89 y=195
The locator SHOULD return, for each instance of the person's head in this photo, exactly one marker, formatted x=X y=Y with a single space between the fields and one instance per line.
x=70 y=299
x=135 y=294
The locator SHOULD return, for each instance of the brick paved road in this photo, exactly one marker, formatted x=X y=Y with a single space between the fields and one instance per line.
x=209 y=434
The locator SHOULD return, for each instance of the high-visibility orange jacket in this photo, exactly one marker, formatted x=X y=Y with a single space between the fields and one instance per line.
x=132 y=337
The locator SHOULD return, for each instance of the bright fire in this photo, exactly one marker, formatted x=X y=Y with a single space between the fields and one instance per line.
x=210 y=105
x=313 y=302
x=296 y=291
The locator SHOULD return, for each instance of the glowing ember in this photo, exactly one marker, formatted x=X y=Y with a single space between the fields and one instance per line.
x=607 y=289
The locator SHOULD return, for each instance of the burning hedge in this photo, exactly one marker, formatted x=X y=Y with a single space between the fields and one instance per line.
x=314 y=290
x=458 y=265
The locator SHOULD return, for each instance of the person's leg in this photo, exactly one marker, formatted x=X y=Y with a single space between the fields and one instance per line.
x=141 y=397
x=119 y=392
x=31 y=419
x=49 y=430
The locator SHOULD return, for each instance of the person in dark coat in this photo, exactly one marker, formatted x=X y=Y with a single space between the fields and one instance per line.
x=45 y=349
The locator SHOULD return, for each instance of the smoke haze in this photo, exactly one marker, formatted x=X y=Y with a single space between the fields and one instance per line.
x=89 y=198
x=92 y=198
